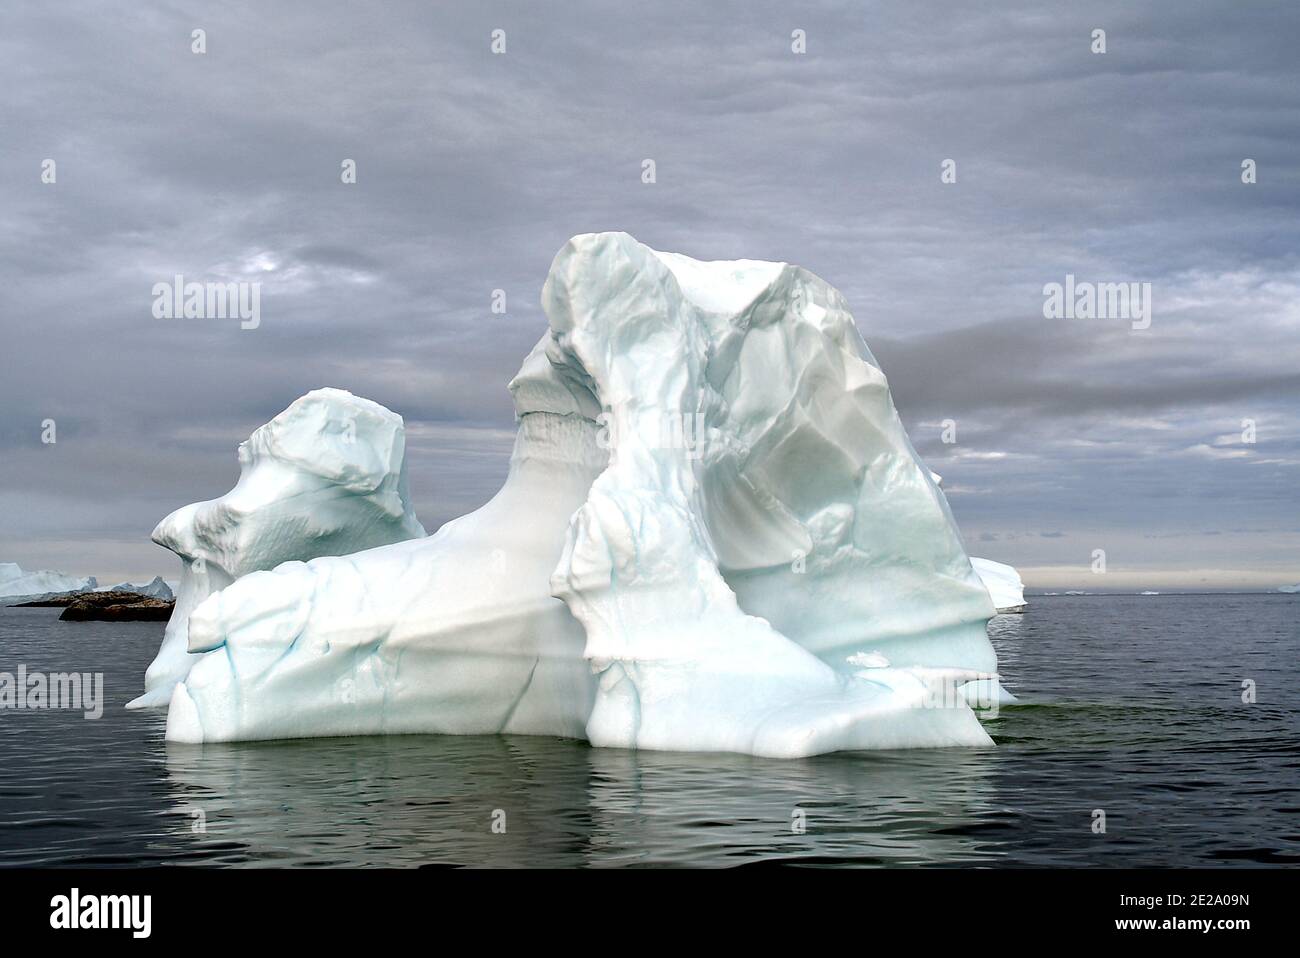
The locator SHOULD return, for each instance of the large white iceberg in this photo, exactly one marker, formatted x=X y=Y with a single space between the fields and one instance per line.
x=18 y=586
x=1003 y=582
x=325 y=477
x=714 y=535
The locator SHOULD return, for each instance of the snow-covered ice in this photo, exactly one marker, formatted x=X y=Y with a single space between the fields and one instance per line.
x=1003 y=582
x=325 y=477
x=18 y=586
x=714 y=535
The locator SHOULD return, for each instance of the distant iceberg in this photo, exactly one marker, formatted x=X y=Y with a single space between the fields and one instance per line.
x=325 y=477
x=17 y=586
x=715 y=536
x=1003 y=582
x=155 y=588
x=1288 y=588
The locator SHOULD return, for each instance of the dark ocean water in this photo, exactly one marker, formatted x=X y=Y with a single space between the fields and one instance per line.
x=1132 y=705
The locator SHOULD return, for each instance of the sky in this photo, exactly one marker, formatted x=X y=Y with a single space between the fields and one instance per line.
x=473 y=168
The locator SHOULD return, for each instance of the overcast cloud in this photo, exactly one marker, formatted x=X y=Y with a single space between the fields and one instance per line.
x=473 y=168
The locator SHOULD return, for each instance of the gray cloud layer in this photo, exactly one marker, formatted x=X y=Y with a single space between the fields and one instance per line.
x=473 y=169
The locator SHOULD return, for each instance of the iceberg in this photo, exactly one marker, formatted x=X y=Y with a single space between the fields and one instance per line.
x=1003 y=582
x=714 y=535
x=325 y=477
x=17 y=586
x=155 y=588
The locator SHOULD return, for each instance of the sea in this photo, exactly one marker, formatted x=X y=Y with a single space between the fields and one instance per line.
x=1151 y=731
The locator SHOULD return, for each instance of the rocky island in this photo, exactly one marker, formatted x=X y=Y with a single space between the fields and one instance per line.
x=115 y=607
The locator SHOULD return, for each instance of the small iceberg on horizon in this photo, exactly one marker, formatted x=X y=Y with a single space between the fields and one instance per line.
x=155 y=588
x=18 y=587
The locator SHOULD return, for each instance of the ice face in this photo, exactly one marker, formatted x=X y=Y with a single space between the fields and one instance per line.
x=715 y=535
x=1003 y=582
x=325 y=477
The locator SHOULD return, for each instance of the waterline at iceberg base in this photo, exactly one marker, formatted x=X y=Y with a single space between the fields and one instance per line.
x=714 y=536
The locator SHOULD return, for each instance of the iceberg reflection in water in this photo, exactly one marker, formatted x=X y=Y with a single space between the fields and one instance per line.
x=413 y=800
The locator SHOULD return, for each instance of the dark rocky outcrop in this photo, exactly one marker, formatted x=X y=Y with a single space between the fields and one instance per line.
x=113 y=607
